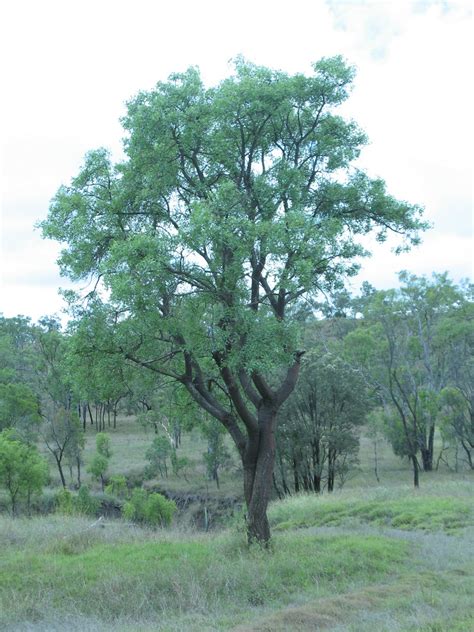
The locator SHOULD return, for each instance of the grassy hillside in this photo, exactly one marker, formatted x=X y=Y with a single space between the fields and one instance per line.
x=336 y=564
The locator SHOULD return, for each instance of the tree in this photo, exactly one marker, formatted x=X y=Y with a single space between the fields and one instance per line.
x=403 y=346
x=157 y=455
x=234 y=203
x=217 y=456
x=100 y=461
x=317 y=435
x=62 y=435
x=19 y=404
x=23 y=472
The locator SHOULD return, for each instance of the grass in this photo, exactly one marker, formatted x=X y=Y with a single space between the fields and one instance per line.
x=369 y=558
x=448 y=508
x=171 y=579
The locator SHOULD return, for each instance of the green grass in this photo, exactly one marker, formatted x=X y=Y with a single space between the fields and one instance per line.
x=211 y=580
x=370 y=557
x=404 y=508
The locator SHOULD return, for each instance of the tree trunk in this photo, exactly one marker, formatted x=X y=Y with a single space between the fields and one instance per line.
x=467 y=450
x=90 y=413
x=427 y=452
x=317 y=483
x=60 y=470
x=258 y=462
x=78 y=465
x=296 y=479
x=416 y=474
x=376 y=461
x=331 y=470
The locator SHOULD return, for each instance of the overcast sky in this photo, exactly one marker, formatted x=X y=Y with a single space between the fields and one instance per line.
x=69 y=66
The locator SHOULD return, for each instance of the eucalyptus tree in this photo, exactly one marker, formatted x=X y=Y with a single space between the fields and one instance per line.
x=233 y=203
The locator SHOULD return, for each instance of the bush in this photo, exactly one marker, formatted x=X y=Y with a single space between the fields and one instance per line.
x=98 y=467
x=117 y=486
x=81 y=503
x=102 y=443
x=84 y=503
x=23 y=471
x=64 y=501
x=159 y=510
x=151 y=509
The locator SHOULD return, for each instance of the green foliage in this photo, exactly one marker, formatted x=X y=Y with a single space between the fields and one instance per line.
x=318 y=433
x=412 y=344
x=62 y=434
x=100 y=460
x=217 y=456
x=150 y=509
x=179 y=464
x=85 y=503
x=19 y=403
x=102 y=442
x=159 y=510
x=98 y=467
x=65 y=502
x=82 y=503
x=117 y=486
x=23 y=472
x=157 y=455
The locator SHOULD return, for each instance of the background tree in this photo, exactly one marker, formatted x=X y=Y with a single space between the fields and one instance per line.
x=217 y=455
x=402 y=346
x=19 y=403
x=157 y=455
x=233 y=203
x=318 y=433
x=23 y=472
x=62 y=436
x=100 y=461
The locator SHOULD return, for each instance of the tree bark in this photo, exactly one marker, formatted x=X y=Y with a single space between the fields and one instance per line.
x=258 y=462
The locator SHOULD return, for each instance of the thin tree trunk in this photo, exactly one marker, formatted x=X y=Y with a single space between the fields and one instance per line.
x=416 y=473
x=78 y=464
x=296 y=480
x=90 y=414
x=376 y=461
x=60 y=469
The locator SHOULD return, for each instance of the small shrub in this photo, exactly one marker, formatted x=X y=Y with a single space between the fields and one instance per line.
x=159 y=510
x=84 y=503
x=102 y=442
x=64 y=502
x=117 y=486
x=98 y=467
x=151 y=509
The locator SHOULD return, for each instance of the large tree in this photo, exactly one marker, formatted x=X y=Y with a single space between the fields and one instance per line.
x=234 y=203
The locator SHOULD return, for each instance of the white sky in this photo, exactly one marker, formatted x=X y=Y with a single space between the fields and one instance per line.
x=69 y=66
